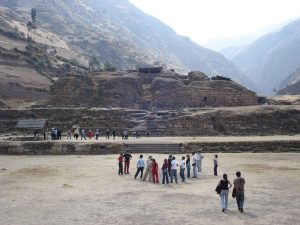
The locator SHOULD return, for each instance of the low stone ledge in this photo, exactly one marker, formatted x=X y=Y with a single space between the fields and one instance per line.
x=73 y=148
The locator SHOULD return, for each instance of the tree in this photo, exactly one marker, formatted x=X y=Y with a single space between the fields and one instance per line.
x=33 y=15
x=94 y=64
x=108 y=66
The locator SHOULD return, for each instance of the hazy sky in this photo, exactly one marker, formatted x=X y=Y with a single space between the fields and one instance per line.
x=203 y=20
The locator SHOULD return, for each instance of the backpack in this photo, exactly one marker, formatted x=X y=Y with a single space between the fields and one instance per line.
x=218 y=189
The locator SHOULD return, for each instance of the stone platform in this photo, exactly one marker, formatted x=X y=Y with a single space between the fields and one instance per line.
x=164 y=145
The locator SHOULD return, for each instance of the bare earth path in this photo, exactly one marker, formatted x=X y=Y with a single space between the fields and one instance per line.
x=74 y=190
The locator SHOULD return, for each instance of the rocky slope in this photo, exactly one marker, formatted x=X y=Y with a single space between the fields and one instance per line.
x=116 y=31
x=291 y=85
x=270 y=59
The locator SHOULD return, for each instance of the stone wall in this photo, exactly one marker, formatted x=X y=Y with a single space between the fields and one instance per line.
x=166 y=90
x=256 y=120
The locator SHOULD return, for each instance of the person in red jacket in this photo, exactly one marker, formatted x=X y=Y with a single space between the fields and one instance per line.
x=120 y=160
x=154 y=171
x=90 y=134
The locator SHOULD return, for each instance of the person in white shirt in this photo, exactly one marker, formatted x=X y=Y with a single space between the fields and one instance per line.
x=140 y=167
x=182 y=169
x=194 y=158
x=174 y=165
x=200 y=157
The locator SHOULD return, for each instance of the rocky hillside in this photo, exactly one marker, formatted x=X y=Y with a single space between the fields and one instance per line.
x=291 y=85
x=116 y=31
x=270 y=59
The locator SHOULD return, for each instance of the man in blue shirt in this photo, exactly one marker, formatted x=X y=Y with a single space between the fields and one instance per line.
x=140 y=167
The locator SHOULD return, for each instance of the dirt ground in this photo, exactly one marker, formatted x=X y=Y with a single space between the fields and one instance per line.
x=86 y=190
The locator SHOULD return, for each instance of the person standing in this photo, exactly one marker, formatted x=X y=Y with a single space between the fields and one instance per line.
x=58 y=131
x=120 y=160
x=140 y=167
x=76 y=134
x=194 y=165
x=201 y=156
x=174 y=165
x=154 y=171
x=197 y=161
x=216 y=165
x=97 y=133
x=188 y=166
x=90 y=134
x=170 y=165
x=164 y=169
x=239 y=186
x=107 y=134
x=148 y=171
x=182 y=168
x=69 y=134
x=83 y=134
x=224 y=186
x=114 y=134
x=127 y=157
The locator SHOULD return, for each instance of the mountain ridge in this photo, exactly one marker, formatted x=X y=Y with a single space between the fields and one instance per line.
x=117 y=31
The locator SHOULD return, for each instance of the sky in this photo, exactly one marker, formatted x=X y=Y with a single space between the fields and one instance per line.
x=204 y=20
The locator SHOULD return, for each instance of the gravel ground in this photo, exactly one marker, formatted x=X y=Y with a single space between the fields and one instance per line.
x=86 y=190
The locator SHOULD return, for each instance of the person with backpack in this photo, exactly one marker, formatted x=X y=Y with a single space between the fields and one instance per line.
x=127 y=157
x=239 y=189
x=223 y=189
x=154 y=171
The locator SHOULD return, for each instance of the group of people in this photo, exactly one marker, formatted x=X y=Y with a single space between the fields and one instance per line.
x=148 y=170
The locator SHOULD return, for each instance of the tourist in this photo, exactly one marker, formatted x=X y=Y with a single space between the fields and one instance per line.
x=134 y=134
x=90 y=134
x=114 y=134
x=97 y=133
x=164 y=169
x=52 y=134
x=200 y=157
x=148 y=133
x=82 y=134
x=58 y=132
x=194 y=165
x=174 y=165
x=224 y=189
x=140 y=167
x=182 y=168
x=170 y=165
x=120 y=160
x=55 y=134
x=154 y=171
x=69 y=133
x=76 y=134
x=127 y=157
x=107 y=134
x=125 y=134
x=239 y=187
x=188 y=166
x=216 y=165
x=148 y=171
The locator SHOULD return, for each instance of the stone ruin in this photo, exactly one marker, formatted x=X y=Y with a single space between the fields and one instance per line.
x=165 y=90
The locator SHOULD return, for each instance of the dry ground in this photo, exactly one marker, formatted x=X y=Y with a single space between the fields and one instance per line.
x=60 y=190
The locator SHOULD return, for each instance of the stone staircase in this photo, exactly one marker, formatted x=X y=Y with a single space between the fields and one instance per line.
x=153 y=148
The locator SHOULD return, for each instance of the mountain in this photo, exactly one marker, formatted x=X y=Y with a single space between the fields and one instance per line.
x=271 y=58
x=291 y=85
x=114 y=31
